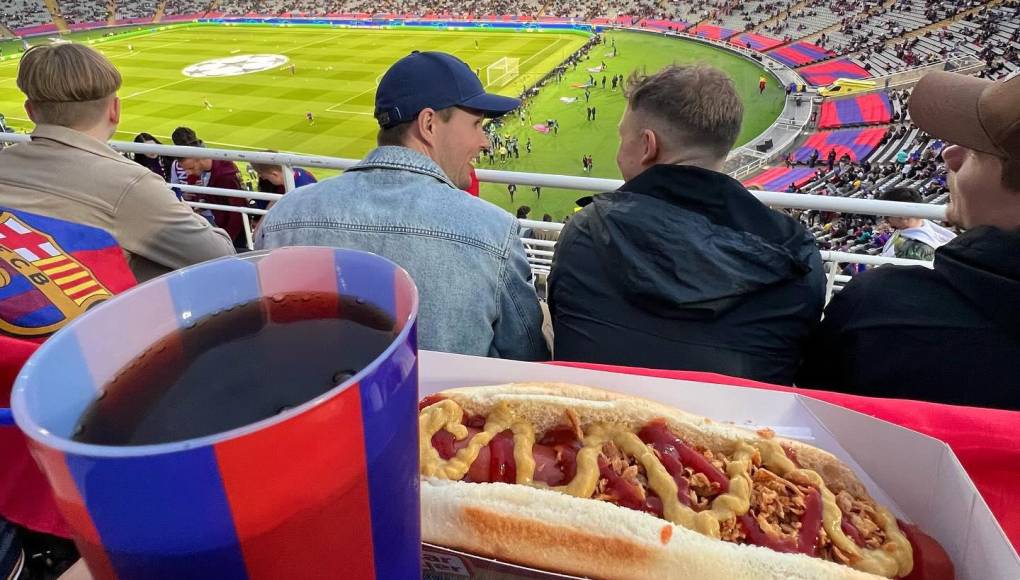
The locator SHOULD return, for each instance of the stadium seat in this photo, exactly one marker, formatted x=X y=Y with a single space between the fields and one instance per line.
x=800 y=53
x=869 y=109
x=758 y=42
x=857 y=143
x=780 y=178
x=711 y=32
x=825 y=73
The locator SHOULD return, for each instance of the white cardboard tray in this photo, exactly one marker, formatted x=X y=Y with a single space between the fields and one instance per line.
x=917 y=477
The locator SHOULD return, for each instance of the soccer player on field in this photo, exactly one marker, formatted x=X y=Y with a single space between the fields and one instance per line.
x=310 y=117
x=205 y=101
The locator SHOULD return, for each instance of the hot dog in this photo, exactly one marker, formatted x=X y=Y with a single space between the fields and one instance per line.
x=588 y=482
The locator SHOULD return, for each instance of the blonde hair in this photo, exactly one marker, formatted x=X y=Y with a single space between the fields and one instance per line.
x=67 y=84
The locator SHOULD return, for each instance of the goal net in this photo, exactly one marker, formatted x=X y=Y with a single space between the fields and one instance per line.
x=502 y=72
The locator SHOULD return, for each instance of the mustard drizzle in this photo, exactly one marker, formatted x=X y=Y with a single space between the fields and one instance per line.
x=894 y=558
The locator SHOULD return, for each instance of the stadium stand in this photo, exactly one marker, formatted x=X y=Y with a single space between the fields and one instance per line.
x=249 y=8
x=872 y=27
x=869 y=109
x=711 y=32
x=180 y=7
x=780 y=178
x=690 y=11
x=23 y=14
x=800 y=54
x=664 y=25
x=569 y=9
x=495 y=8
x=884 y=42
x=881 y=60
x=746 y=15
x=812 y=17
x=758 y=42
x=823 y=73
x=84 y=12
x=876 y=168
x=858 y=144
x=136 y=10
x=992 y=35
x=334 y=7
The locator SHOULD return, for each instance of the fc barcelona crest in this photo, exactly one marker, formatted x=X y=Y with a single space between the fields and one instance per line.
x=42 y=287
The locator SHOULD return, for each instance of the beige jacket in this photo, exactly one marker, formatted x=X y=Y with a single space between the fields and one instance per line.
x=69 y=175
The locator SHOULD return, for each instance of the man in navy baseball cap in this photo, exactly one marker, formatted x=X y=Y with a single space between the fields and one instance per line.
x=404 y=201
x=433 y=80
x=433 y=102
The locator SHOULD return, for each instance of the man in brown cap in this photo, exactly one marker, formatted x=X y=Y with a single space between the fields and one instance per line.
x=952 y=333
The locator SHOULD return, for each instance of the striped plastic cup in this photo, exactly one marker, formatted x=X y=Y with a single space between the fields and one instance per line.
x=328 y=489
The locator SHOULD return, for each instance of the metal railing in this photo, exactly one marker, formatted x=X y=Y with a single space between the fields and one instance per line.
x=908 y=77
x=539 y=251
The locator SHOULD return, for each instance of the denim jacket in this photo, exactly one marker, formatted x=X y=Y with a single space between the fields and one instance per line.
x=475 y=286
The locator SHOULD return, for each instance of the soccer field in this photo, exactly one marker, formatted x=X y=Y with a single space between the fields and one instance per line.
x=336 y=72
x=335 y=75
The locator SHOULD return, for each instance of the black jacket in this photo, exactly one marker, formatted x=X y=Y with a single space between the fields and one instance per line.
x=949 y=335
x=682 y=268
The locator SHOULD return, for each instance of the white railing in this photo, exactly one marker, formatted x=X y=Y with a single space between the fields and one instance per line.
x=540 y=252
x=909 y=76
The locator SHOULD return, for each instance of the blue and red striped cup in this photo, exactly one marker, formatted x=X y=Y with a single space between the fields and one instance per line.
x=328 y=489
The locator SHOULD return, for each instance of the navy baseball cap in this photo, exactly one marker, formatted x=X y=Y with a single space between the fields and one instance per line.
x=433 y=80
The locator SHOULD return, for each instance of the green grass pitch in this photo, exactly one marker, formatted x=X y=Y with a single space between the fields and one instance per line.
x=336 y=75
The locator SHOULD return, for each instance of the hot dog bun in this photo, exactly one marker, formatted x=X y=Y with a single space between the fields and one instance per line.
x=553 y=531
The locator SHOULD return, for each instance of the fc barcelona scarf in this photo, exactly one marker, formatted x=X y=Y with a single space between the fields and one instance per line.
x=51 y=271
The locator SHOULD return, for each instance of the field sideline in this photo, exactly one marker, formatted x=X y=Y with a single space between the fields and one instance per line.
x=336 y=74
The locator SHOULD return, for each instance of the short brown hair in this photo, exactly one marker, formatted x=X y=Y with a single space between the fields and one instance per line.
x=67 y=84
x=906 y=194
x=698 y=105
x=266 y=167
x=395 y=134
